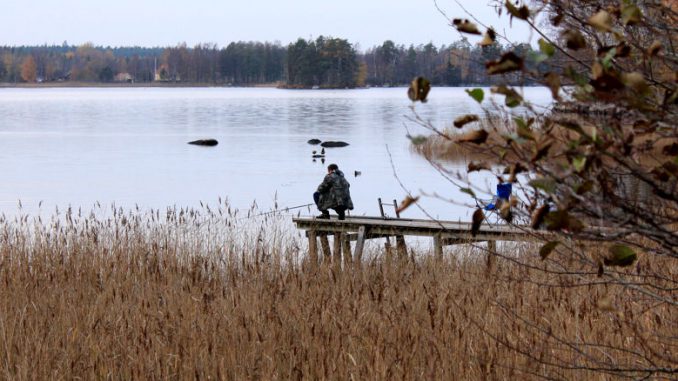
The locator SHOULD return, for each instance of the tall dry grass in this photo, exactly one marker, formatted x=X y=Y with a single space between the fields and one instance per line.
x=208 y=294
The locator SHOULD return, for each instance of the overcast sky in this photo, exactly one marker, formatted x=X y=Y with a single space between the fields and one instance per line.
x=168 y=22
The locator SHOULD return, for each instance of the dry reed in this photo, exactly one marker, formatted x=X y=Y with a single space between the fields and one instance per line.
x=211 y=294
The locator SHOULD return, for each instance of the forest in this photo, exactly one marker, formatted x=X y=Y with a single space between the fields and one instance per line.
x=325 y=62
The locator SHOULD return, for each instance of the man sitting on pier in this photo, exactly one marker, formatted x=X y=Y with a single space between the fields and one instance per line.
x=333 y=193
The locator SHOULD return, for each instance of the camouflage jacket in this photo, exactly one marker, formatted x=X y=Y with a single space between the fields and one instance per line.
x=334 y=192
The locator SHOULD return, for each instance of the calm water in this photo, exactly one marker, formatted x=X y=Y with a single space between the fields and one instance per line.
x=61 y=147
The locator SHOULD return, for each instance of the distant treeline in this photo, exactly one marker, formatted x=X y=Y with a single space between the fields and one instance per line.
x=323 y=62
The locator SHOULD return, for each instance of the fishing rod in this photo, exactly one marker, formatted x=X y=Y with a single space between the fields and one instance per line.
x=283 y=210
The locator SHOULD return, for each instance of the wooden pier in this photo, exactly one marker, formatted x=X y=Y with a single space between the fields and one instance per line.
x=360 y=229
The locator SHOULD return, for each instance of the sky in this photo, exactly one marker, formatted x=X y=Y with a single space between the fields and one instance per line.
x=169 y=22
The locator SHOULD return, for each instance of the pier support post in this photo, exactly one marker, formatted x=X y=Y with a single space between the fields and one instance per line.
x=438 y=246
x=389 y=249
x=346 y=243
x=359 y=245
x=325 y=244
x=337 y=251
x=492 y=246
x=491 y=252
x=312 y=248
x=401 y=247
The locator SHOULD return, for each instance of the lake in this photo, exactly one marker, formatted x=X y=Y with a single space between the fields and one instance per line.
x=127 y=146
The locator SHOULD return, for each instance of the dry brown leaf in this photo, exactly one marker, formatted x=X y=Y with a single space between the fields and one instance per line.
x=512 y=96
x=488 y=38
x=478 y=166
x=538 y=216
x=419 y=89
x=607 y=82
x=613 y=10
x=654 y=49
x=507 y=63
x=514 y=170
x=542 y=150
x=465 y=119
x=671 y=168
x=475 y=137
x=553 y=82
x=406 y=203
x=623 y=50
x=601 y=21
x=522 y=13
x=597 y=70
x=635 y=81
x=670 y=149
x=574 y=39
x=466 y=26
x=477 y=220
x=505 y=211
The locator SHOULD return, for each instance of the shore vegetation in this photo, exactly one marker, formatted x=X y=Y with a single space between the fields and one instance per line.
x=217 y=293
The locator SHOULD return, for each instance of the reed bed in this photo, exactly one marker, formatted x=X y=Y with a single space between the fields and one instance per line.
x=221 y=294
x=441 y=146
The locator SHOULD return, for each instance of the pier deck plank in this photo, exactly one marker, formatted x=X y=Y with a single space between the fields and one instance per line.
x=445 y=231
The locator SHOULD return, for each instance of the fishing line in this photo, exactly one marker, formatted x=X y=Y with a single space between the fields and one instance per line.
x=282 y=210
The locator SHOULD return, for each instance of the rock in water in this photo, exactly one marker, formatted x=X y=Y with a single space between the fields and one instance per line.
x=314 y=141
x=205 y=142
x=331 y=144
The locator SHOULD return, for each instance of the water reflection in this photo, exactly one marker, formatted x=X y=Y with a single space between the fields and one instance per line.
x=325 y=116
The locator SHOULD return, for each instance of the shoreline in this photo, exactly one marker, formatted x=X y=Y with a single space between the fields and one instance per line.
x=49 y=85
x=57 y=85
x=65 y=85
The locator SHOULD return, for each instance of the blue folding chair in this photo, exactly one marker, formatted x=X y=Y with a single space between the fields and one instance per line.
x=494 y=204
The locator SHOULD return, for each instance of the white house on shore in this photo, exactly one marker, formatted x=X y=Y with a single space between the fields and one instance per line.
x=123 y=77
